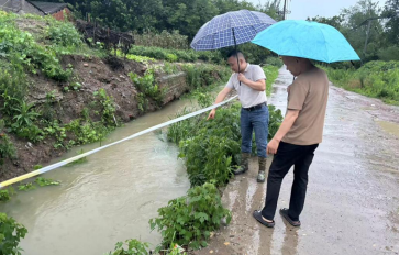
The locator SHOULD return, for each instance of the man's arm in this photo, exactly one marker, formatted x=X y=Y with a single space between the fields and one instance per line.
x=284 y=128
x=221 y=96
x=257 y=85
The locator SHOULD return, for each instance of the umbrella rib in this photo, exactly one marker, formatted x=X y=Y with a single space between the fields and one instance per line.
x=326 y=49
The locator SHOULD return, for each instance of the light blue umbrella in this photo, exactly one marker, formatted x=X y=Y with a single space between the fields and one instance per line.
x=306 y=39
x=231 y=28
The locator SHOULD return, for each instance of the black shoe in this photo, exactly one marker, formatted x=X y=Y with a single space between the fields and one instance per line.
x=258 y=216
x=285 y=213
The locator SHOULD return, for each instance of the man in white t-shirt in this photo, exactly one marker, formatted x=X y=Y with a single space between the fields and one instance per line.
x=249 y=82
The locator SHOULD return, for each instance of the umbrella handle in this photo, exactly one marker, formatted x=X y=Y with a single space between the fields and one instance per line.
x=240 y=82
x=237 y=58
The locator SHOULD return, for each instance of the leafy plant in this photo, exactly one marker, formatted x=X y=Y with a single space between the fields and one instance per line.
x=25 y=116
x=27 y=186
x=191 y=219
x=172 y=58
x=175 y=55
x=73 y=86
x=130 y=247
x=59 y=132
x=147 y=84
x=7 y=149
x=88 y=132
x=63 y=33
x=141 y=101
x=21 y=46
x=275 y=120
x=107 y=107
x=210 y=148
x=5 y=194
x=271 y=72
x=202 y=75
x=164 y=39
x=376 y=79
x=11 y=234
x=42 y=182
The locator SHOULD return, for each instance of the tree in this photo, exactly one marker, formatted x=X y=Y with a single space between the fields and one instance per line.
x=392 y=26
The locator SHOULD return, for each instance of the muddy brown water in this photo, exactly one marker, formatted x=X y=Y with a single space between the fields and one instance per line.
x=108 y=199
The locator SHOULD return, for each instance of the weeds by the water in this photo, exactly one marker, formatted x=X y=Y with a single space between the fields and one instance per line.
x=80 y=160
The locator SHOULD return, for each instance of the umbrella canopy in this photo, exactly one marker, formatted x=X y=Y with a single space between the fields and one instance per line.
x=306 y=39
x=229 y=29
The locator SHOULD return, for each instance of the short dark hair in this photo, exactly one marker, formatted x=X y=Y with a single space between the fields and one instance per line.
x=236 y=53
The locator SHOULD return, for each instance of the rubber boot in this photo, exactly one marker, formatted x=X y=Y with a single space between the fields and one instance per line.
x=262 y=164
x=244 y=165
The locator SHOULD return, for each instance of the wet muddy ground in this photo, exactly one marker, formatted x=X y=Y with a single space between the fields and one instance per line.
x=352 y=204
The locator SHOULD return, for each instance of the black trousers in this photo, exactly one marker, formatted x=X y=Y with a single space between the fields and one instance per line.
x=288 y=155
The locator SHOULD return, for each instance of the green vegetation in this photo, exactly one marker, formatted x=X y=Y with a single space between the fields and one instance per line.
x=271 y=72
x=178 y=55
x=191 y=219
x=5 y=194
x=210 y=148
x=205 y=75
x=22 y=56
x=39 y=181
x=7 y=149
x=147 y=84
x=23 y=51
x=11 y=234
x=375 y=79
x=164 y=39
x=135 y=247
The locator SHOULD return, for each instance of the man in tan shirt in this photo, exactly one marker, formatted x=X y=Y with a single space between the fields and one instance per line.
x=296 y=140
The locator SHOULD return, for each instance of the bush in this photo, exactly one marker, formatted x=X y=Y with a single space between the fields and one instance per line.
x=63 y=33
x=377 y=79
x=130 y=247
x=181 y=55
x=26 y=53
x=164 y=39
x=7 y=149
x=273 y=61
x=5 y=194
x=191 y=219
x=172 y=58
x=147 y=84
x=271 y=72
x=389 y=53
x=210 y=147
x=11 y=234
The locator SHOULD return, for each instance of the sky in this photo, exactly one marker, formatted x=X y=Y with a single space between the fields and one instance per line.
x=301 y=9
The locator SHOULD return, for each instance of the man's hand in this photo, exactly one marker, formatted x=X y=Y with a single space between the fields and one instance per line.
x=211 y=115
x=241 y=78
x=272 y=147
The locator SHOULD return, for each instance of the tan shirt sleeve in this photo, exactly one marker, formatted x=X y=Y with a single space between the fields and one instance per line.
x=297 y=95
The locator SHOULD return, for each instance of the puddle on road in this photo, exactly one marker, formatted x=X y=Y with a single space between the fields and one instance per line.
x=389 y=127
